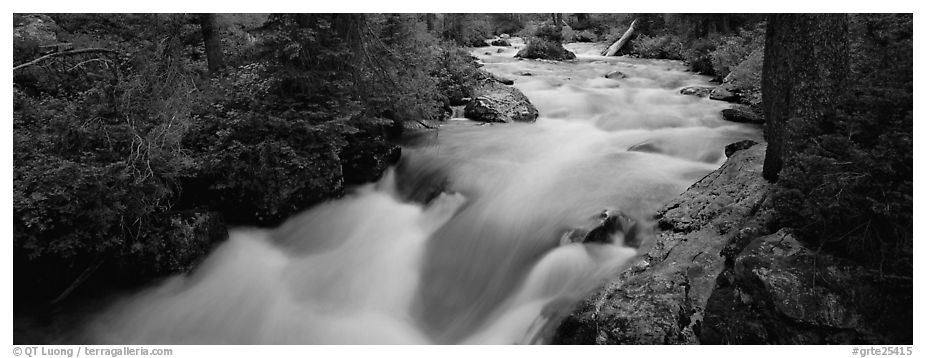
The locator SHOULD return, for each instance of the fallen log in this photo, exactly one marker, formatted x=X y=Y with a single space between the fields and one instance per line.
x=620 y=43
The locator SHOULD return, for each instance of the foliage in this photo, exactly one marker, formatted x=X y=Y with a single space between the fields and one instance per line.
x=734 y=49
x=698 y=55
x=849 y=185
x=139 y=159
x=538 y=47
x=660 y=46
x=97 y=163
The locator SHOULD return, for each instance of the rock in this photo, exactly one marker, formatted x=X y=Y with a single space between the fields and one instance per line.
x=39 y=28
x=741 y=114
x=784 y=293
x=615 y=75
x=500 y=50
x=525 y=73
x=700 y=91
x=602 y=229
x=501 y=42
x=488 y=53
x=504 y=36
x=495 y=102
x=738 y=146
x=722 y=94
x=484 y=76
x=660 y=299
x=365 y=159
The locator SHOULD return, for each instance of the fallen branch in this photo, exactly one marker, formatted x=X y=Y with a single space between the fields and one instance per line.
x=79 y=281
x=63 y=53
x=622 y=41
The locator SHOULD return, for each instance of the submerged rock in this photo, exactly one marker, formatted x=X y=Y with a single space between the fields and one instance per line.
x=660 y=299
x=700 y=91
x=615 y=75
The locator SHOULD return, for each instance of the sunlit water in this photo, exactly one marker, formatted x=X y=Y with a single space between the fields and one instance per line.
x=481 y=263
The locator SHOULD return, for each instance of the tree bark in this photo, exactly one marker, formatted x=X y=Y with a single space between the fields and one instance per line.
x=430 y=19
x=212 y=42
x=804 y=73
x=622 y=41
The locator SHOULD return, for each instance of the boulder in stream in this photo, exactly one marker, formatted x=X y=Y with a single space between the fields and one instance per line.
x=722 y=94
x=700 y=91
x=602 y=229
x=501 y=42
x=615 y=75
x=494 y=101
x=741 y=114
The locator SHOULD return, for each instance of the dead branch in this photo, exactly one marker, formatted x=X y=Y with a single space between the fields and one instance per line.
x=64 y=53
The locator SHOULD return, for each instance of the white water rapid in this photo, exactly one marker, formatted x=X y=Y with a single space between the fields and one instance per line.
x=482 y=265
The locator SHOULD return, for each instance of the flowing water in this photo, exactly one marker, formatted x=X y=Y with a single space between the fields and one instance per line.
x=481 y=263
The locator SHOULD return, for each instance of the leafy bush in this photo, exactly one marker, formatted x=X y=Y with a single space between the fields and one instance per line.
x=540 y=48
x=698 y=55
x=734 y=49
x=456 y=75
x=660 y=47
x=549 y=32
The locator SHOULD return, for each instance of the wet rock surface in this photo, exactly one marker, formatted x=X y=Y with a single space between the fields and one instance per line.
x=496 y=102
x=738 y=146
x=604 y=227
x=700 y=91
x=742 y=114
x=660 y=299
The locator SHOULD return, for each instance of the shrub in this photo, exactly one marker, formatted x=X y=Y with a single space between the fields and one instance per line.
x=734 y=49
x=660 y=47
x=456 y=74
x=540 y=48
x=549 y=32
x=698 y=55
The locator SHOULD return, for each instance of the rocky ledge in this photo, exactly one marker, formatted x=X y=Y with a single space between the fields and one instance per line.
x=660 y=299
x=717 y=272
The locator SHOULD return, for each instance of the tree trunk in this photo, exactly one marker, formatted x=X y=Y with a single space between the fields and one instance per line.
x=212 y=42
x=804 y=73
x=623 y=40
x=431 y=19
